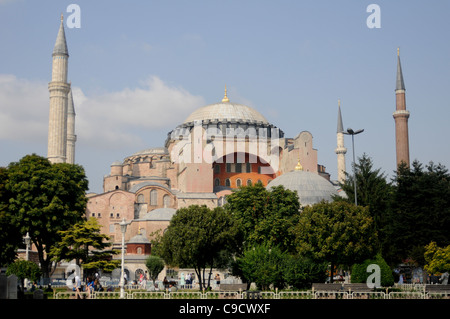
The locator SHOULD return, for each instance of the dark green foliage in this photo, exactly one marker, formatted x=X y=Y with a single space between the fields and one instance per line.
x=420 y=211
x=265 y=216
x=24 y=269
x=300 y=272
x=198 y=237
x=154 y=266
x=45 y=198
x=263 y=265
x=360 y=274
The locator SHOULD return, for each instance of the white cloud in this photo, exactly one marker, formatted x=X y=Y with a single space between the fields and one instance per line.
x=106 y=121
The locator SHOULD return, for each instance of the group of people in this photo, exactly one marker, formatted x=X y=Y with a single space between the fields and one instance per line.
x=92 y=284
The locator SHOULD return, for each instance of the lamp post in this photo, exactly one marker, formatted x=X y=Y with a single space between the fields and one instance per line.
x=27 y=240
x=123 y=229
x=353 y=133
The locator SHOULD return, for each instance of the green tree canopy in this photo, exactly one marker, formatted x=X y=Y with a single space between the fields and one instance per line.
x=154 y=266
x=263 y=265
x=84 y=243
x=372 y=188
x=44 y=199
x=10 y=235
x=339 y=233
x=24 y=269
x=196 y=236
x=266 y=216
x=420 y=211
x=437 y=258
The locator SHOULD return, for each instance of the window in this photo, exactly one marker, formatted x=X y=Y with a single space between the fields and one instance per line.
x=249 y=182
x=154 y=197
x=216 y=168
x=238 y=183
x=216 y=182
x=227 y=182
x=228 y=167
x=139 y=250
x=249 y=167
x=238 y=167
x=140 y=199
x=166 y=200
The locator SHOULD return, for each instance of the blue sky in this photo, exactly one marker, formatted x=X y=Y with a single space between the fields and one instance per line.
x=139 y=68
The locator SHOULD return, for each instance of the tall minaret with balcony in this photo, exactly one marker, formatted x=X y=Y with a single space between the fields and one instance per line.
x=401 y=116
x=340 y=149
x=59 y=89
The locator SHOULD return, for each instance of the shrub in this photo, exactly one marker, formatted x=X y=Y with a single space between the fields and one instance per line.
x=360 y=274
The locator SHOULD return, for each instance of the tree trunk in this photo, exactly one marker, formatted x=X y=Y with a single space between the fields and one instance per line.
x=331 y=272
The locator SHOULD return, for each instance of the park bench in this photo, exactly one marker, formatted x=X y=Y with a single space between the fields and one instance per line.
x=326 y=287
x=357 y=287
x=233 y=287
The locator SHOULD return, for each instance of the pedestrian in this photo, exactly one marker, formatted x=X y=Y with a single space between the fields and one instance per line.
x=217 y=279
x=77 y=287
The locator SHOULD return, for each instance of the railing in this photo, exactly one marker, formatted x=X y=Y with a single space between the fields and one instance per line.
x=255 y=295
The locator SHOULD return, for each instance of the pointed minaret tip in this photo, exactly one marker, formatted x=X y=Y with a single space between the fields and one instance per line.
x=340 y=126
x=400 y=84
x=61 y=44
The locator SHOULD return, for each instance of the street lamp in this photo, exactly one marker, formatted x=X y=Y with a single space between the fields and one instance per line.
x=123 y=229
x=353 y=133
x=27 y=240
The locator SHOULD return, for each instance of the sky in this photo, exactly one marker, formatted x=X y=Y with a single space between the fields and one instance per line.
x=139 y=68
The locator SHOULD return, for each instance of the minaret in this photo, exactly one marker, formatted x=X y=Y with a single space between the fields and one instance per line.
x=71 y=137
x=340 y=150
x=401 y=116
x=59 y=89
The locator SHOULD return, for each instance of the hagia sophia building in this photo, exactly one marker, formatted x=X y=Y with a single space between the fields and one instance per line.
x=218 y=148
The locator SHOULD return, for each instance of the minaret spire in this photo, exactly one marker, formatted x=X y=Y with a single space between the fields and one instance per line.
x=71 y=137
x=225 y=98
x=340 y=149
x=401 y=116
x=58 y=89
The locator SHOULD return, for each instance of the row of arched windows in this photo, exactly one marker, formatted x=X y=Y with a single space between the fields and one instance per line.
x=167 y=201
x=239 y=182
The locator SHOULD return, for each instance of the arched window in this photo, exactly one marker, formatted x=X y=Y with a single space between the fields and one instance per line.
x=238 y=183
x=227 y=182
x=154 y=197
x=139 y=250
x=249 y=182
x=216 y=182
x=140 y=199
x=166 y=201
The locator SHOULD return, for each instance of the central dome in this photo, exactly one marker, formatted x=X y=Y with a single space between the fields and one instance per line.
x=227 y=111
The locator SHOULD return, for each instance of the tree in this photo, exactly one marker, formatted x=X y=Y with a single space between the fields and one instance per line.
x=45 y=198
x=300 y=272
x=263 y=265
x=154 y=266
x=420 y=210
x=266 y=216
x=372 y=189
x=24 y=269
x=84 y=243
x=360 y=273
x=10 y=236
x=196 y=236
x=339 y=233
x=437 y=258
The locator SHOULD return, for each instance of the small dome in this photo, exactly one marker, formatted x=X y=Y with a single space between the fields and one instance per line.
x=311 y=188
x=139 y=239
x=227 y=111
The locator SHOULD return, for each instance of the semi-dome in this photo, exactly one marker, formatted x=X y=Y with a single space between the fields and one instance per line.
x=311 y=188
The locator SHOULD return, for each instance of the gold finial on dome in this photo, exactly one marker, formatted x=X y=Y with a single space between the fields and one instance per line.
x=299 y=166
x=398 y=51
x=62 y=17
x=225 y=98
